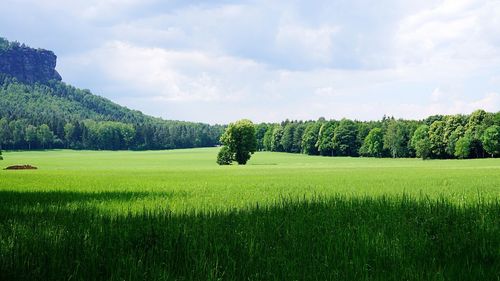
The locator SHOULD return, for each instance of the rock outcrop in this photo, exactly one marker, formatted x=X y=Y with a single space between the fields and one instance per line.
x=26 y=64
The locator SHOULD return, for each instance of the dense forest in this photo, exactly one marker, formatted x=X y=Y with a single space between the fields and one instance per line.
x=440 y=137
x=55 y=115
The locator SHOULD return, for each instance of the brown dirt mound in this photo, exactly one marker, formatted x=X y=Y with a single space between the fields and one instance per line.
x=21 y=167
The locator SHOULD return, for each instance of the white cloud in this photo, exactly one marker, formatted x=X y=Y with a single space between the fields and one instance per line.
x=90 y=10
x=311 y=44
x=437 y=95
x=454 y=31
x=168 y=75
x=451 y=103
x=326 y=92
x=198 y=86
x=268 y=61
x=490 y=102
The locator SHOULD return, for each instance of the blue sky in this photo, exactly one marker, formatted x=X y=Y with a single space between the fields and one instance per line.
x=218 y=61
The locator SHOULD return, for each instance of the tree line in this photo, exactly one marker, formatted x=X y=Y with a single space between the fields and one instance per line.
x=437 y=137
x=56 y=115
x=106 y=135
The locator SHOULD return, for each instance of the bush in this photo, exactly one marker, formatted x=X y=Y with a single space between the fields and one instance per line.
x=225 y=156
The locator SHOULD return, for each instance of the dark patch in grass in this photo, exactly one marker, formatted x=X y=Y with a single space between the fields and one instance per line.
x=21 y=167
x=16 y=199
x=323 y=239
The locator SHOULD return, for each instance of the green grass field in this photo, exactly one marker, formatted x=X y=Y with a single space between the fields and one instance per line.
x=177 y=215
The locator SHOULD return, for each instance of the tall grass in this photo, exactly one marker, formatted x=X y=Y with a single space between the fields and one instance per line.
x=177 y=215
x=320 y=239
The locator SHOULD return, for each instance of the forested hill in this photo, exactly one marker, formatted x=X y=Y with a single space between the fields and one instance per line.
x=37 y=110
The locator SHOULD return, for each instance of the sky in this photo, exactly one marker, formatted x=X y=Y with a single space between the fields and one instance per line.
x=220 y=61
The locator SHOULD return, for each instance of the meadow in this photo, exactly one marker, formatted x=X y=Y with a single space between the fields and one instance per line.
x=177 y=215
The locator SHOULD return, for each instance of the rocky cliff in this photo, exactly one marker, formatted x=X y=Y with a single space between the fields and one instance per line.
x=27 y=64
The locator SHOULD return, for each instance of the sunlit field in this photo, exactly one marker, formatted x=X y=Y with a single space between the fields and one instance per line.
x=177 y=215
x=186 y=180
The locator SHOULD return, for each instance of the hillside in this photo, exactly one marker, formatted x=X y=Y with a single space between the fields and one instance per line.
x=38 y=110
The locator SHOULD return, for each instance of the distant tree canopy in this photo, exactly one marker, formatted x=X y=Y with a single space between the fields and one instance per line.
x=491 y=140
x=420 y=142
x=373 y=144
x=6 y=45
x=55 y=115
x=239 y=141
x=440 y=136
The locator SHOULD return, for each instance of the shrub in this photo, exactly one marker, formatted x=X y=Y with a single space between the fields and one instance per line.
x=225 y=156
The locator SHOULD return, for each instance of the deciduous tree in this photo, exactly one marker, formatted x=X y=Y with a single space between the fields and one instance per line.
x=31 y=135
x=240 y=140
x=344 y=139
x=287 y=138
x=463 y=147
x=225 y=156
x=276 y=136
x=396 y=139
x=491 y=140
x=45 y=135
x=420 y=142
x=436 y=139
x=310 y=138
x=373 y=144
x=325 y=139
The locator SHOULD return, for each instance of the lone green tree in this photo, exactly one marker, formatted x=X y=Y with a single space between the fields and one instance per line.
x=240 y=140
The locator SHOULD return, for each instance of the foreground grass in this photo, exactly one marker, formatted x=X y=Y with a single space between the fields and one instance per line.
x=323 y=239
x=176 y=215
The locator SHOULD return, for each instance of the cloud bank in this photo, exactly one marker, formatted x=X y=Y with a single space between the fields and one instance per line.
x=219 y=61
